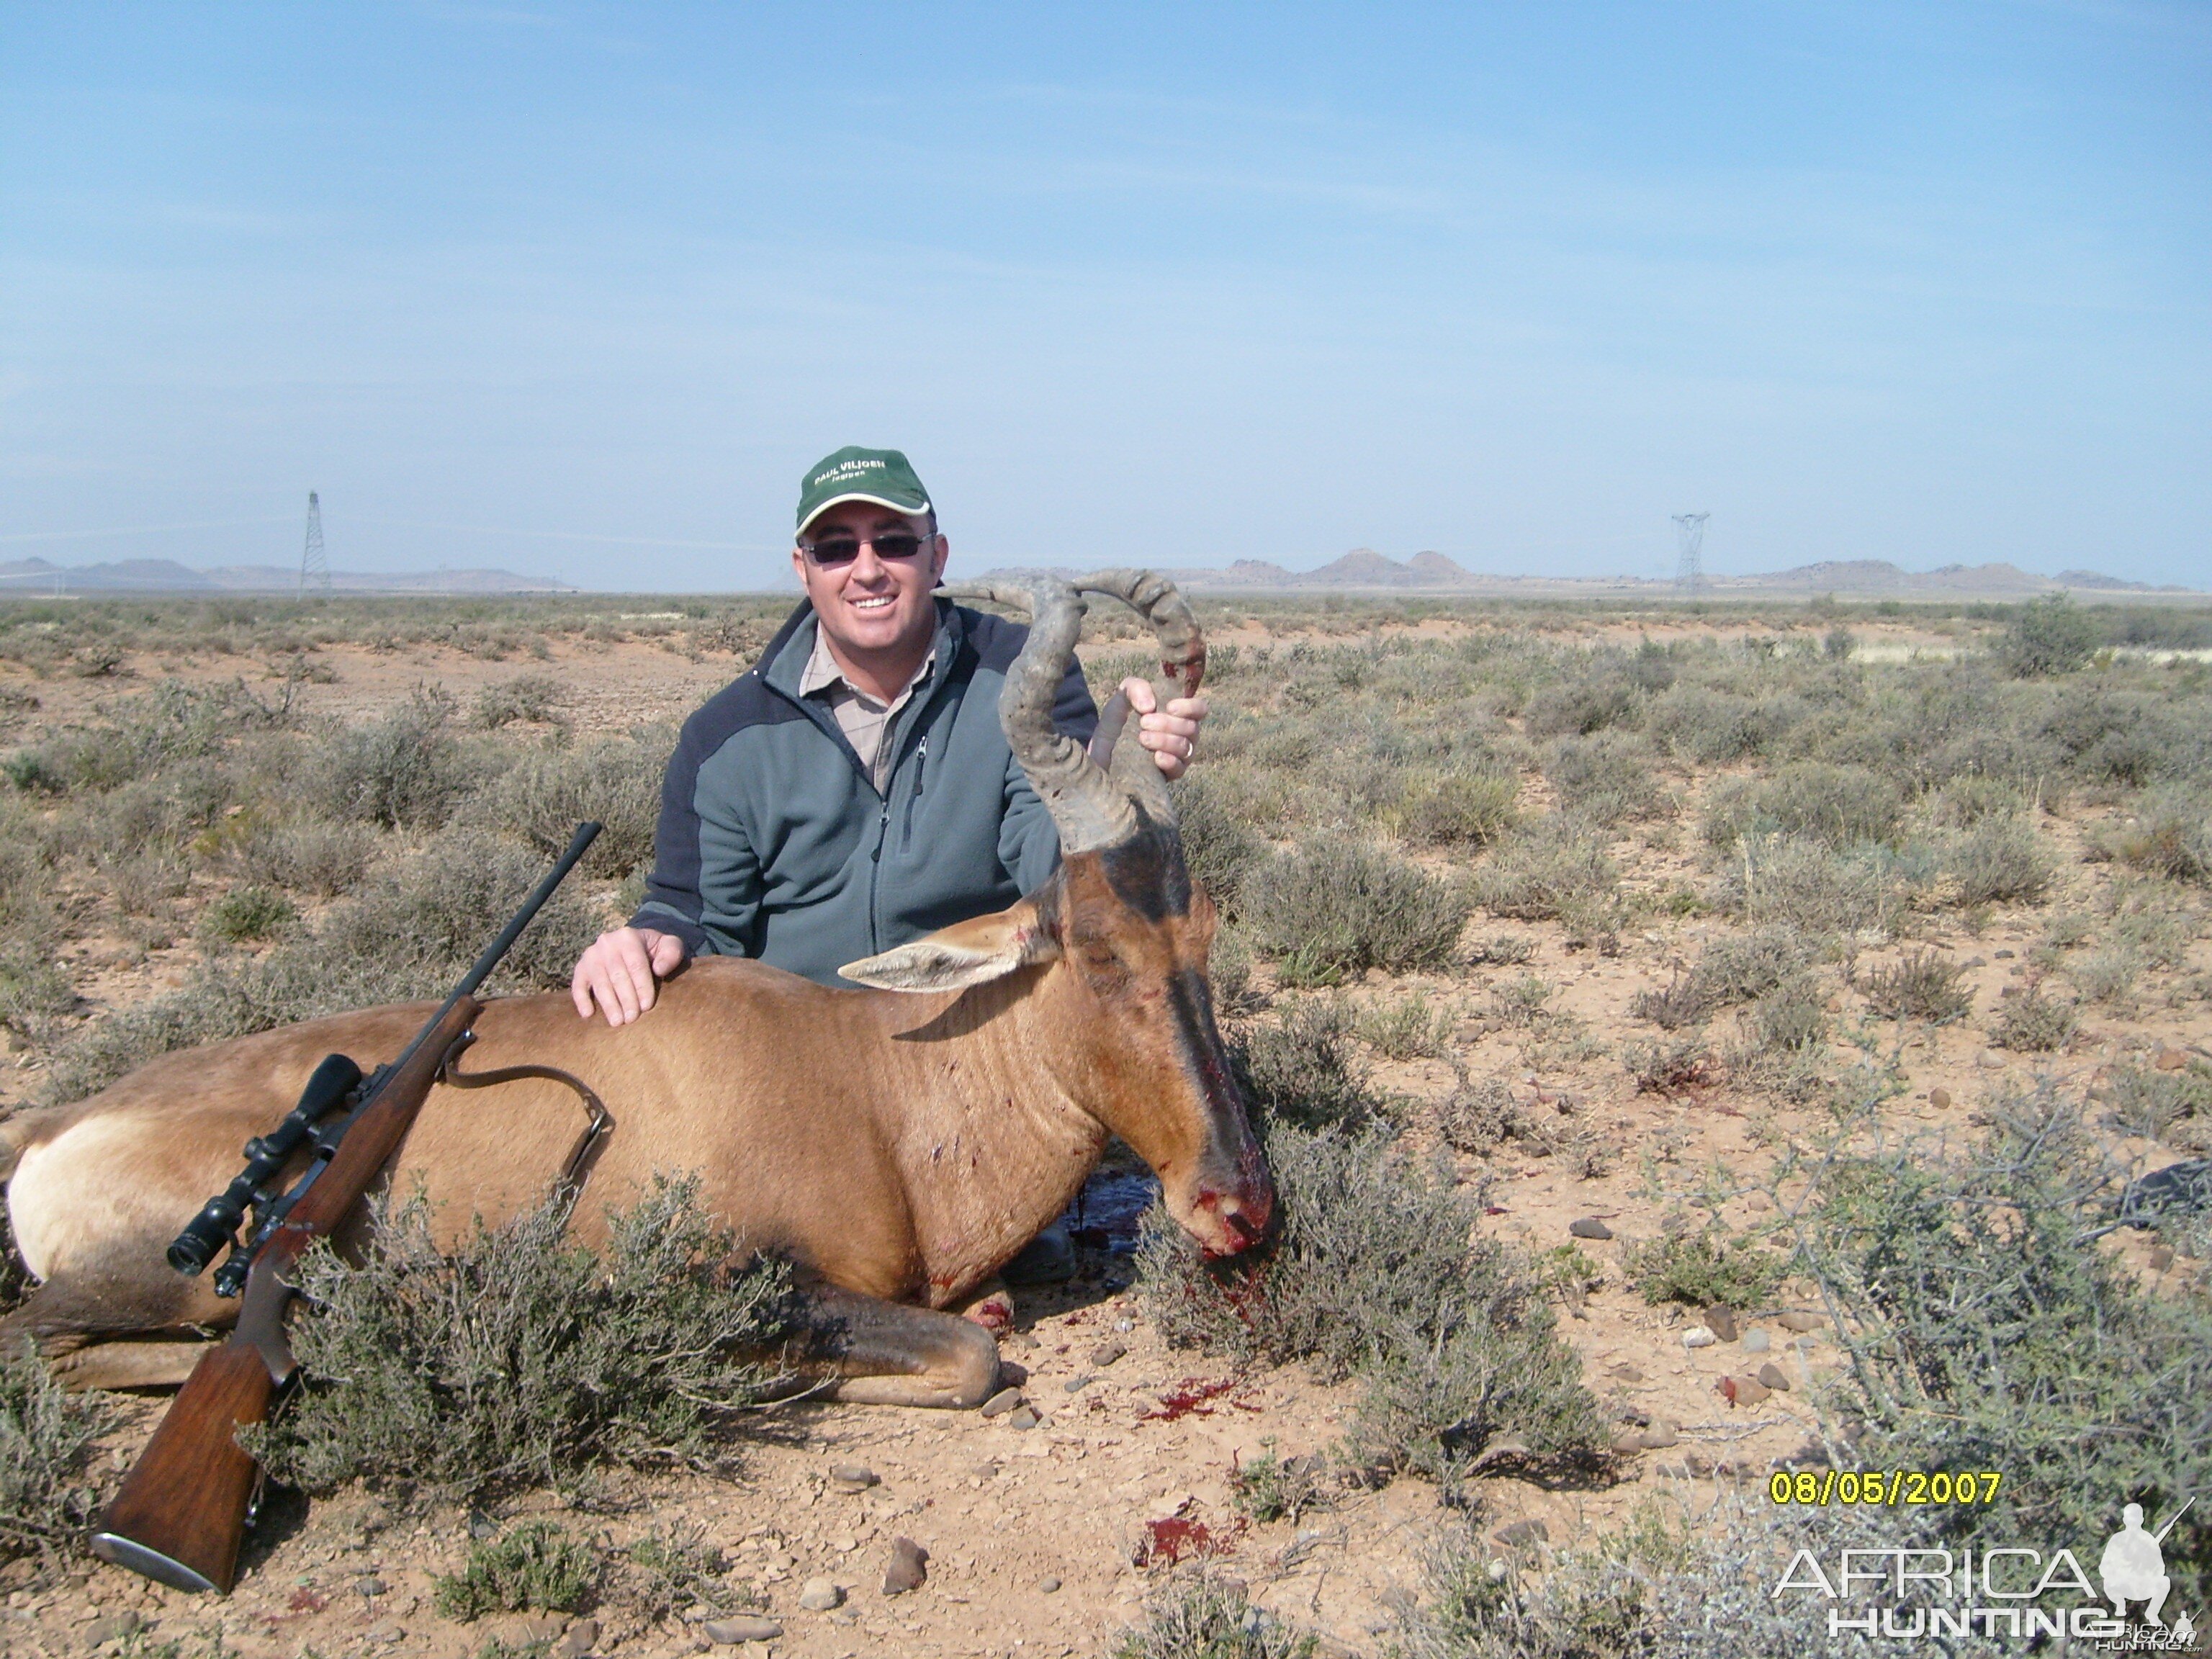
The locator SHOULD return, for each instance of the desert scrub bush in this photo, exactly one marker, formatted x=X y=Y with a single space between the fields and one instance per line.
x=1481 y=1607
x=1792 y=1018
x=2047 y=636
x=1518 y=1003
x=1548 y=869
x=536 y=1567
x=1218 y=845
x=519 y=1355
x=404 y=771
x=1203 y=1617
x=1737 y=969
x=410 y=933
x=1779 y=880
x=1301 y=1067
x=1918 y=985
x=1606 y=778
x=544 y=796
x=1228 y=963
x=1272 y=1487
x=2033 y=1023
x=1332 y=908
x=1967 y=799
x=1704 y=1268
x=2171 y=835
x=251 y=912
x=1587 y=701
x=48 y=1495
x=1457 y=809
x=1504 y=951
x=320 y=858
x=537 y=698
x=1840 y=806
x=2174 y=1107
x=669 y=1570
x=1407 y=1027
x=34 y=988
x=2107 y=976
x=1712 y=727
x=1668 y=1069
x=2000 y=861
x=1482 y=1113
x=173 y=722
x=1983 y=1320
x=1376 y=1271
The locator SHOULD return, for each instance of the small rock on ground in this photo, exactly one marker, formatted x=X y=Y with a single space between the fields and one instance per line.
x=909 y=1568
x=854 y=1477
x=1106 y=1353
x=820 y=1594
x=1774 y=1376
x=728 y=1632
x=1721 y=1322
x=1794 y=1321
x=1002 y=1402
x=1590 y=1227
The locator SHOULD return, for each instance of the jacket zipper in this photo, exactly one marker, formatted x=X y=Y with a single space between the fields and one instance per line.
x=921 y=763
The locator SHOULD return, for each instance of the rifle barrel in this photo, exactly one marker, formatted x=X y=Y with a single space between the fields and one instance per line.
x=586 y=832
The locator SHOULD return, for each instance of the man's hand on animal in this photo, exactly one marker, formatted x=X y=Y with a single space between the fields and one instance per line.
x=620 y=975
x=1171 y=732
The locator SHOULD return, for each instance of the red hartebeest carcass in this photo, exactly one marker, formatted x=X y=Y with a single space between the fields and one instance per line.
x=897 y=1144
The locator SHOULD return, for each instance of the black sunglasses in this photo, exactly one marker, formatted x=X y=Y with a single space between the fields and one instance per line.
x=834 y=550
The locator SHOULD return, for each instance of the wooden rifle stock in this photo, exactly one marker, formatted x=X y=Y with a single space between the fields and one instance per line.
x=181 y=1515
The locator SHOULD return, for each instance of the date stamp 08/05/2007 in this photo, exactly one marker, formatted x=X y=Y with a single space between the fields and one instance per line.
x=1888 y=1487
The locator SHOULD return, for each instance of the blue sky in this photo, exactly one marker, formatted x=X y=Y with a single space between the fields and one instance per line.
x=580 y=290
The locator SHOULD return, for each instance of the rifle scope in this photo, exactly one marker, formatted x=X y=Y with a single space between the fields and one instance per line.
x=265 y=1157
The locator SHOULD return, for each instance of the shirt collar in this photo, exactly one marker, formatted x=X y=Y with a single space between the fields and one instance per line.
x=822 y=672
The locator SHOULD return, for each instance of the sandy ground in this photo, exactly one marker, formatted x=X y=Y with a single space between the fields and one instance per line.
x=1033 y=1535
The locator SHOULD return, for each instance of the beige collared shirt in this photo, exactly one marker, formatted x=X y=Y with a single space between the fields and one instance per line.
x=861 y=718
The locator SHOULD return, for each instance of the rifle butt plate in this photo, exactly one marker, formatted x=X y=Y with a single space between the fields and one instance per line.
x=148 y=1563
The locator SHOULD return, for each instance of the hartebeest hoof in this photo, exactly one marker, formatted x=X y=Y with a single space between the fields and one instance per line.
x=886 y=1354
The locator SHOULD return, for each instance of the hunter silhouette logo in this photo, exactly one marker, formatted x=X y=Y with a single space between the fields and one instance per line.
x=2134 y=1565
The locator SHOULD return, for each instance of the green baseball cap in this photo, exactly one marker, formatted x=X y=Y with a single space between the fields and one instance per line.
x=853 y=474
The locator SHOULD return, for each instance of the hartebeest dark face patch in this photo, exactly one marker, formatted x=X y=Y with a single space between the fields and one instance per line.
x=1147 y=873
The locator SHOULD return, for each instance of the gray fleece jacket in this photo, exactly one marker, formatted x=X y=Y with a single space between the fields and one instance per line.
x=773 y=843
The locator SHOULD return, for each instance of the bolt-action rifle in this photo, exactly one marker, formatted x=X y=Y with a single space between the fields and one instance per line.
x=182 y=1511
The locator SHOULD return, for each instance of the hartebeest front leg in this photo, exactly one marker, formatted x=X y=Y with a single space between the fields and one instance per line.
x=886 y=1354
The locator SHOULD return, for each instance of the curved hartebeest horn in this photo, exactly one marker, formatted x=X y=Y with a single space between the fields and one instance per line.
x=1091 y=808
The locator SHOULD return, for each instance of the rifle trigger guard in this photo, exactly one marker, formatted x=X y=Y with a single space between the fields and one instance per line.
x=570 y=1182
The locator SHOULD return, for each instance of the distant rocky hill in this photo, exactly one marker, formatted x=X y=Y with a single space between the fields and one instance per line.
x=1365 y=570
x=166 y=576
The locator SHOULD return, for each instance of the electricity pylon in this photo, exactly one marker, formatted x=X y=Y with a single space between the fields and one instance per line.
x=1690 y=574
x=314 y=568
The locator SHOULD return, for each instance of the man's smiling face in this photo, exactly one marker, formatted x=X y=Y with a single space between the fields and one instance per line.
x=872 y=608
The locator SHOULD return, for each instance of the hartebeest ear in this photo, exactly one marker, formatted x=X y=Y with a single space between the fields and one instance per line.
x=967 y=953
